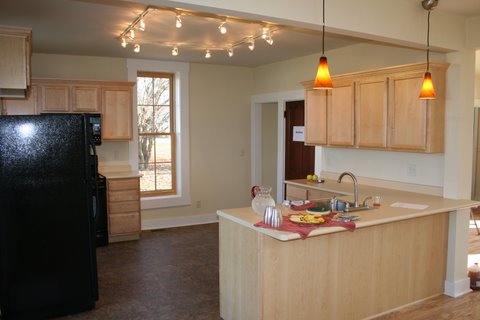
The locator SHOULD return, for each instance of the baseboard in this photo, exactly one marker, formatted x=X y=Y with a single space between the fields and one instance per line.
x=182 y=221
x=457 y=288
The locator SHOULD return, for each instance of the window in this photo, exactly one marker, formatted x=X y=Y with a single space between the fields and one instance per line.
x=156 y=133
x=180 y=134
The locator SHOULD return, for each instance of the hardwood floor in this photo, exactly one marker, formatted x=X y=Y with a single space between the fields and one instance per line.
x=173 y=274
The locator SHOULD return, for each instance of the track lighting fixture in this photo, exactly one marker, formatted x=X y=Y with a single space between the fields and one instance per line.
x=251 y=44
x=222 y=27
x=178 y=21
x=265 y=32
x=428 y=91
x=132 y=36
x=323 y=79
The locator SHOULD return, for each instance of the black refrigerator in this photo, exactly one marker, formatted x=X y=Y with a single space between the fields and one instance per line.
x=47 y=234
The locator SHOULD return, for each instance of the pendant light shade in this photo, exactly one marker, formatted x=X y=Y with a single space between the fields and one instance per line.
x=428 y=91
x=323 y=79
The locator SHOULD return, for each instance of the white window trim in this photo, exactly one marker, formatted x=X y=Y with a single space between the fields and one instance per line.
x=182 y=137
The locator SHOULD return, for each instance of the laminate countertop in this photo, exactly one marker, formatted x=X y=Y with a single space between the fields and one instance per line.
x=120 y=174
x=403 y=207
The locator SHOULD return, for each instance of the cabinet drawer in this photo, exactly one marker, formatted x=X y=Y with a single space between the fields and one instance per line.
x=123 y=184
x=126 y=195
x=124 y=223
x=296 y=192
x=123 y=206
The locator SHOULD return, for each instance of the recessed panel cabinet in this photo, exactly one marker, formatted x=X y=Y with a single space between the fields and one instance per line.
x=113 y=99
x=315 y=116
x=15 y=55
x=371 y=112
x=385 y=113
x=340 y=114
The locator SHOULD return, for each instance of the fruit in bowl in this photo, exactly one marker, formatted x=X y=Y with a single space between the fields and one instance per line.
x=309 y=177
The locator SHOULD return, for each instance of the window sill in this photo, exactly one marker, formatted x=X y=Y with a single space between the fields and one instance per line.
x=165 y=201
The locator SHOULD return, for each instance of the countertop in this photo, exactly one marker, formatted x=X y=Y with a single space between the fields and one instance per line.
x=383 y=214
x=120 y=174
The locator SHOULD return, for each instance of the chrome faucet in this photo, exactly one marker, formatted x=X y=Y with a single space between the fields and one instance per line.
x=355 y=185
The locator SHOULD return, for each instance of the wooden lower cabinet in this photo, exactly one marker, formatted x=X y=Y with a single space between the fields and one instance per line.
x=341 y=275
x=123 y=209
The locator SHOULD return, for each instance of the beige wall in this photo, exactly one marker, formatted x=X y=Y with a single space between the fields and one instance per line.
x=219 y=127
x=219 y=140
x=287 y=75
x=78 y=67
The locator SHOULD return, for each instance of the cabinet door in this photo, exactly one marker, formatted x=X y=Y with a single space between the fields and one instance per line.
x=117 y=113
x=24 y=106
x=295 y=193
x=340 y=112
x=371 y=112
x=408 y=114
x=315 y=117
x=54 y=98
x=86 y=99
x=15 y=51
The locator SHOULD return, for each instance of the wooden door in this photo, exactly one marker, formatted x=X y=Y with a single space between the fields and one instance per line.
x=340 y=112
x=299 y=158
x=371 y=112
x=86 y=98
x=54 y=98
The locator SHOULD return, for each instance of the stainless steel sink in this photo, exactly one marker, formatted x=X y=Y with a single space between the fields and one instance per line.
x=340 y=205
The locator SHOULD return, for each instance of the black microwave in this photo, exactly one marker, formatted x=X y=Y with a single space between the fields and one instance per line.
x=95 y=123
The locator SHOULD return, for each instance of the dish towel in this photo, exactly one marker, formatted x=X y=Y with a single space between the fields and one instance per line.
x=304 y=229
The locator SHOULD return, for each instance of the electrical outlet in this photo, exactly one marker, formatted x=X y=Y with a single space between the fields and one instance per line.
x=198 y=204
x=411 y=169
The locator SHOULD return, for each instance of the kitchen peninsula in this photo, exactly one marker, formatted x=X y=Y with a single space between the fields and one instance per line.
x=396 y=256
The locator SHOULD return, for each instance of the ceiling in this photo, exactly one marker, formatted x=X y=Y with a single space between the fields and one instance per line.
x=87 y=27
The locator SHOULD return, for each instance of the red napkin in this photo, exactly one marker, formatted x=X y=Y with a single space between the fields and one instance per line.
x=304 y=229
x=303 y=206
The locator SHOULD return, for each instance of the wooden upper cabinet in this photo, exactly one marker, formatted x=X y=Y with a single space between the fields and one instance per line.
x=315 y=116
x=371 y=112
x=117 y=113
x=54 y=98
x=416 y=124
x=15 y=55
x=380 y=109
x=86 y=98
x=22 y=106
x=340 y=114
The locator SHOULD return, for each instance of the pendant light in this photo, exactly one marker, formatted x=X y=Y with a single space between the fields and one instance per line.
x=323 y=79
x=428 y=91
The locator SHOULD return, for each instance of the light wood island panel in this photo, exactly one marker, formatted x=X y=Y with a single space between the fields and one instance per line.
x=342 y=275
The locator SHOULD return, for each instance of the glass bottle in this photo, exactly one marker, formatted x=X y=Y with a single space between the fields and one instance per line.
x=262 y=199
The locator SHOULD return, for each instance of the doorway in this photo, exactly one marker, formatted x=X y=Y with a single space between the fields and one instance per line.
x=299 y=158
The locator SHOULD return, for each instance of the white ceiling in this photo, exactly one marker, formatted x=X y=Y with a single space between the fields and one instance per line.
x=88 y=27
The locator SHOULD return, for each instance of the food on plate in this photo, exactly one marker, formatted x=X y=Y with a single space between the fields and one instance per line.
x=307 y=218
x=309 y=177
